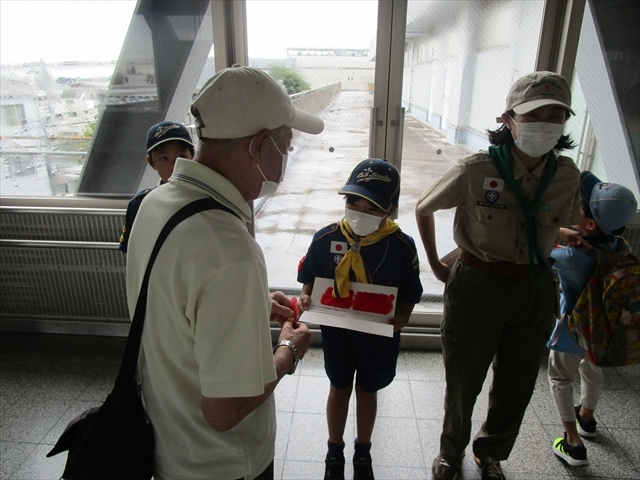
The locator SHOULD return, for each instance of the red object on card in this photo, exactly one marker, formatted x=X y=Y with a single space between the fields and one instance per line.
x=328 y=299
x=373 y=302
x=294 y=306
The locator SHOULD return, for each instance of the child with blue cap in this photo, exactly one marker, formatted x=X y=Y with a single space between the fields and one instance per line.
x=366 y=246
x=166 y=141
x=606 y=209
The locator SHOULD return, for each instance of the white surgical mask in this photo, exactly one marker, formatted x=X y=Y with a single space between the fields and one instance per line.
x=361 y=223
x=537 y=138
x=269 y=187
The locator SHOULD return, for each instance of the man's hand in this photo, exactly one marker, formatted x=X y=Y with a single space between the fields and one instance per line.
x=281 y=309
x=298 y=334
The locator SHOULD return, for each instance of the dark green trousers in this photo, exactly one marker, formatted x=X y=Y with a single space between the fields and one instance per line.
x=491 y=319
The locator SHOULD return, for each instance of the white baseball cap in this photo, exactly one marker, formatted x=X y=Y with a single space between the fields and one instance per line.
x=240 y=101
x=536 y=90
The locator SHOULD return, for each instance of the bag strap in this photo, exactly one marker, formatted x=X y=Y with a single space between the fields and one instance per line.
x=132 y=348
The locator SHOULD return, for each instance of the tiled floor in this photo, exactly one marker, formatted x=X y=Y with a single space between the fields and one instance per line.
x=48 y=379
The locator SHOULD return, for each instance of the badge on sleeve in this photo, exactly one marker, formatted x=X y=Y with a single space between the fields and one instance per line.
x=339 y=247
x=496 y=184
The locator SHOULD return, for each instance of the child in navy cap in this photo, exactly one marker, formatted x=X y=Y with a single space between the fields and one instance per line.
x=166 y=141
x=366 y=246
x=606 y=209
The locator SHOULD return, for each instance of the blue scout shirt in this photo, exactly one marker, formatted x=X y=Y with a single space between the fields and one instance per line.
x=393 y=261
x=132 y=211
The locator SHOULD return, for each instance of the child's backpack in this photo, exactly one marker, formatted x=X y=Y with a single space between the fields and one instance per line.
x=606 y=317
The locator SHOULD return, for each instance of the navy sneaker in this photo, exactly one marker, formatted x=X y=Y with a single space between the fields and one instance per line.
x=334 y=468
x=586 y=428
x=362 y=469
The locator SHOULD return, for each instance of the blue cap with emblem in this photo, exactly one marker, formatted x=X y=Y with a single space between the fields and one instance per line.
x=166 y=132
x=375 y=180
x=612 y=205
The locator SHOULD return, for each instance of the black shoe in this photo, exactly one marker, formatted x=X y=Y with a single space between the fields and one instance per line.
x=362 y=469
x=444 y=470
x=586 y=428
x=334 y=468
x=574 y=455
x=491 y=469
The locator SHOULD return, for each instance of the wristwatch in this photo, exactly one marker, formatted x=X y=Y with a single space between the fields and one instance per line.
x=294 y=349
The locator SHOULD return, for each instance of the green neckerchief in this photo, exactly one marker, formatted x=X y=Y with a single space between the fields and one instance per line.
x=501 y=155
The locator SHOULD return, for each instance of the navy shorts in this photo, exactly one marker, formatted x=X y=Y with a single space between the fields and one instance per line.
x=371 y=358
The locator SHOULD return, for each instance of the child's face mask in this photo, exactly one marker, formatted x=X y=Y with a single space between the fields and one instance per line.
x=362 y=224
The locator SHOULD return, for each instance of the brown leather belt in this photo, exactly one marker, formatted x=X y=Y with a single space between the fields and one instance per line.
x=499 y=269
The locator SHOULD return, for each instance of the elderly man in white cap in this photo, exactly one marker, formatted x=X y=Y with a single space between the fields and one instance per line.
x=207 y=365
x=500 y=297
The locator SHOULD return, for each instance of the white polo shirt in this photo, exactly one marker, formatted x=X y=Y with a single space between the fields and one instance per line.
x=206 y=331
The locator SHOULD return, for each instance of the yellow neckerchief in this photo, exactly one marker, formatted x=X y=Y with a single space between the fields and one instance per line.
x=352 y=260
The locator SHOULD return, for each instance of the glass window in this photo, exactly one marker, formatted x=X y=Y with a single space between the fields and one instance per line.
x=56 y=68
x=324 y=55
x=462 y=58
x=12 y=115
x=606 y=89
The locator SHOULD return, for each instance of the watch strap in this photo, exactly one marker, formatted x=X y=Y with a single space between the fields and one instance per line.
x=294 y=349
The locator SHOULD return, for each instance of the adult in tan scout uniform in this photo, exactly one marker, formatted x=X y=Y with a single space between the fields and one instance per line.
x=500 y=298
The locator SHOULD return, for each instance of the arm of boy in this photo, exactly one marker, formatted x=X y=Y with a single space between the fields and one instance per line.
x=401 y=319
x=569 y=236
x=305 y=296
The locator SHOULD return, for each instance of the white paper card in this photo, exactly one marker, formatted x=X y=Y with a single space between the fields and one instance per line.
x=367 y=309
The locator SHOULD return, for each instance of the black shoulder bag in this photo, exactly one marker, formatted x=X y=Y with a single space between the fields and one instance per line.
x=115 y=440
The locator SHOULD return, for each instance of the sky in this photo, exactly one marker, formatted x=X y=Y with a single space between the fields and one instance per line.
x=85 y=30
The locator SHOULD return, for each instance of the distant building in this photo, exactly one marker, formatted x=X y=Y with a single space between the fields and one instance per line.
x=353 y=68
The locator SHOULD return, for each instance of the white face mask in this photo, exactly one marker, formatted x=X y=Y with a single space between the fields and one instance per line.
x=537 y=138
x=362 y=224
x=268 y=187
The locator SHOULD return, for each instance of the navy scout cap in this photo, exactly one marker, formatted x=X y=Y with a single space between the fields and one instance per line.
x=166 y=132
x=375 y=180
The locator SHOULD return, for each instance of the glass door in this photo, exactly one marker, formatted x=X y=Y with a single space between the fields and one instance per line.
x=324 y=54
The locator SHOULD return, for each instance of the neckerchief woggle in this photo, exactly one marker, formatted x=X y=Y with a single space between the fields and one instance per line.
x=501 y=155
x=352 y=260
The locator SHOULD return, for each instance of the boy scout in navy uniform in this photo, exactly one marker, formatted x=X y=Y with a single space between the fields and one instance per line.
x=500 y=297
x=166 y=141
x=368 y=247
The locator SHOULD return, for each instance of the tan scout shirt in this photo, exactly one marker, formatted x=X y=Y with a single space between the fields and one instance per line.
x=489 y=222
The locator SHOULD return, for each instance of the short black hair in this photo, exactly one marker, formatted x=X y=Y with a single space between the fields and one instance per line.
x=502 y=136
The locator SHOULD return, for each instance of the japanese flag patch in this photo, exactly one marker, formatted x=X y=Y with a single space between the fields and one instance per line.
x=496 y=184
x=339 y=247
